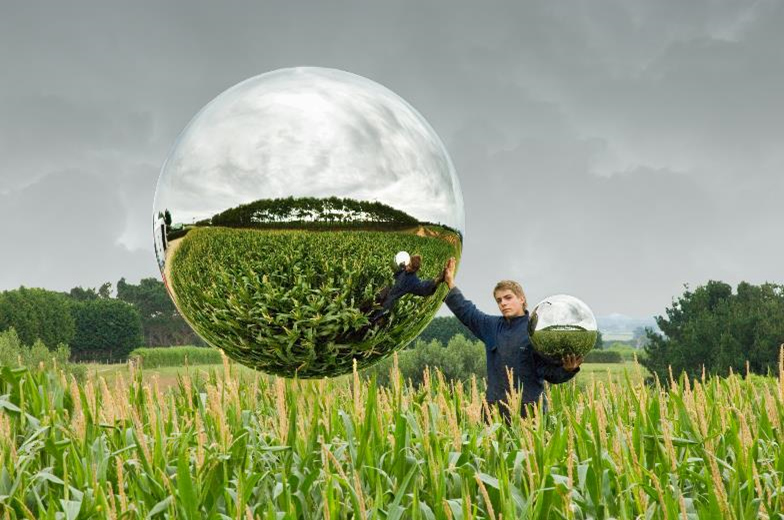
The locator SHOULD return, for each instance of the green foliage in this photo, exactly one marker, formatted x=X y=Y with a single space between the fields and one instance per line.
x=81 y=294
x=176 y=356
x=14 y=353
x=106 y=330
x=37 y=314
x=161 y=323
x=722 y=330
x=443 y=329
x=603 y=356
x=105 y=291
x=459 y=360
x=288 y=302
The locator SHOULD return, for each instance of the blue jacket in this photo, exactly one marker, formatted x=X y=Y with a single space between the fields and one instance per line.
x=507 y=344
x=407 y=283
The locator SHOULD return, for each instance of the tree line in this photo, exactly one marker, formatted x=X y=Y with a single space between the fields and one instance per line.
x=710 y=326
x=310 y=209
x=722 y=330
x=95 y=325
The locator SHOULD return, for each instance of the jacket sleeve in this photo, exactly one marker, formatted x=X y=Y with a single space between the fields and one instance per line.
x=552 y=373
x=422 y=287
x=479 y=323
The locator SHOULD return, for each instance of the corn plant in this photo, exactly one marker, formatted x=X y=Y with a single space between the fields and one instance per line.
x=232 y=447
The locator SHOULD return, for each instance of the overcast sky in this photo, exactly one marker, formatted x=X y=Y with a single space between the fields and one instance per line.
x=309 y=132
x=609 y=150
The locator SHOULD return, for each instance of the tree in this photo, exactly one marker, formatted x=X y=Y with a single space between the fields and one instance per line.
x=167 y=218
x=599 y=345
x=107 y=330
x=37 y=314
x=81 y=294
x=162 y=325
x=444 y=329
x=711 y=326
x=105 y=291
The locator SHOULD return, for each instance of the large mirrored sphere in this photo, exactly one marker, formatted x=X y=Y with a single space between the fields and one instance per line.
x=562 y=325
x=281 y=212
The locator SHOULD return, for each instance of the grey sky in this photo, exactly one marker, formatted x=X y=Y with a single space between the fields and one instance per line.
x=609 y=150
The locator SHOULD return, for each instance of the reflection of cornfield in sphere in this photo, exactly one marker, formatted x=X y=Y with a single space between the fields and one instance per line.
x=286 y=301
x=557 y=342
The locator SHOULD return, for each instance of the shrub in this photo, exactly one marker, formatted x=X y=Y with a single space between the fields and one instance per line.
x=13 y=353
x=458 y=360
x=106 y=330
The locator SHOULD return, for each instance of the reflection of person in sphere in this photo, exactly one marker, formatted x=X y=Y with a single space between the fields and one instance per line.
x=507 y=345
x=407 y=281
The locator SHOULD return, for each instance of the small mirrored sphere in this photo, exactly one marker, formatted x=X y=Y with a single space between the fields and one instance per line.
x=562 y=325
x=302 y=221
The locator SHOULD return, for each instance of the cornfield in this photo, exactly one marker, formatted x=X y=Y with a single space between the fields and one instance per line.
x=230 y=447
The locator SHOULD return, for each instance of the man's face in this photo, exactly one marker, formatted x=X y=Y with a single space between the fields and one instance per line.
x=509 y=303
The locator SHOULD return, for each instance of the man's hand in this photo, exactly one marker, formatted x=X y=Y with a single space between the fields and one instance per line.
x=571 y=362
x=449 y=272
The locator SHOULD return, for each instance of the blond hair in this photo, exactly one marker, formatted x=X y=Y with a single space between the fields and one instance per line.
x=513 y=286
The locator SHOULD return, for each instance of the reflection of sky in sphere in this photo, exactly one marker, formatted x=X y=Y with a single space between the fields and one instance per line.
x=564 y=310
x=309 y=132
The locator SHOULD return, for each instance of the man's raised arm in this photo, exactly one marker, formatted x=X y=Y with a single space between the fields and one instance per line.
x=422 y=287
x=479 y=323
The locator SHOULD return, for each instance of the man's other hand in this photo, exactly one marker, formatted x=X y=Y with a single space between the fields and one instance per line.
x=449 y=272
x=571 y=362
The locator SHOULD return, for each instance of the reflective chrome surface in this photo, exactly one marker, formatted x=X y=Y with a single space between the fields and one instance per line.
x=562 y=325
x=281 y=209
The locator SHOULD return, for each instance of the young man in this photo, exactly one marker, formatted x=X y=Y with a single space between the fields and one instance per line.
x=507 y=345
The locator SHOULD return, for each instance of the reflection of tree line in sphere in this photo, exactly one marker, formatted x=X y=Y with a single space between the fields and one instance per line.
x=281 y=301
x=310 y=213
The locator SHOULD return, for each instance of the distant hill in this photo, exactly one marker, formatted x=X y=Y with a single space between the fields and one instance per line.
x=622 y=327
